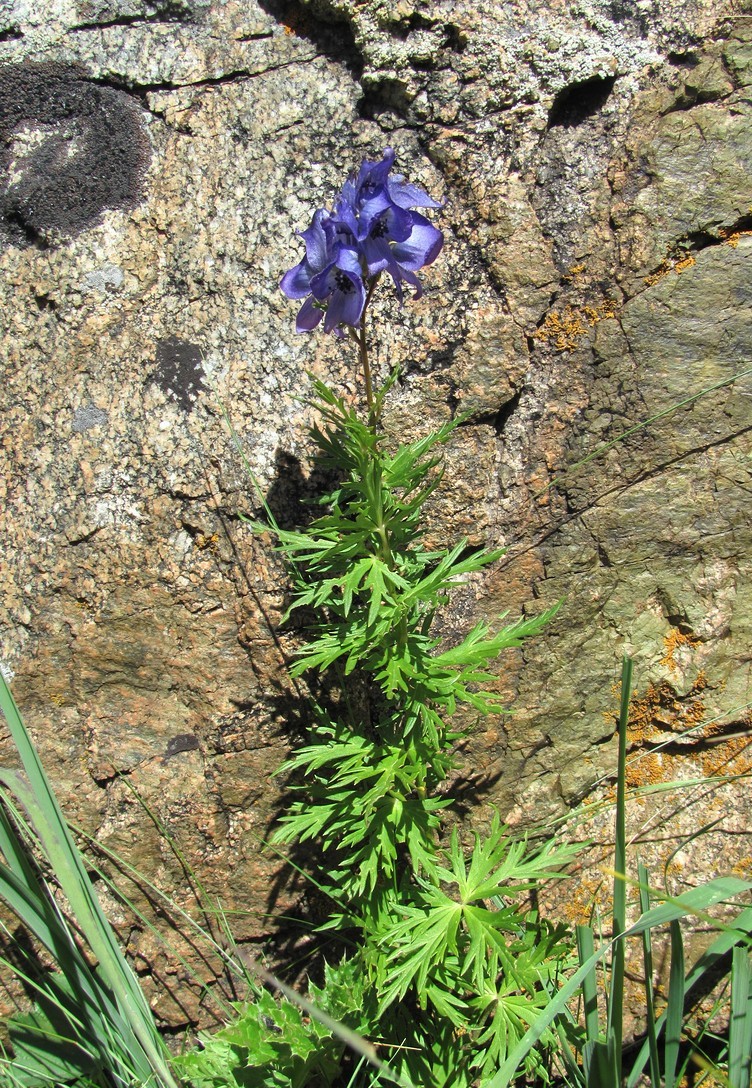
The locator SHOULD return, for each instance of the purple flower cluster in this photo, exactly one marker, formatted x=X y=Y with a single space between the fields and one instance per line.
x=370 y=230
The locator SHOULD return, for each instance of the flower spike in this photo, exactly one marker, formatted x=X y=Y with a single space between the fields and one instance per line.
x=371 y=229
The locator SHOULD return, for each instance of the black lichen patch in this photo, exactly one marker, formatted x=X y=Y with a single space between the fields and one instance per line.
x=183 y=742
x=575 y=103
x=69 y=149
x=179 y=371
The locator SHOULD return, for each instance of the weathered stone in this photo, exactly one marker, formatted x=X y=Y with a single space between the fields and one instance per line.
x=595 y=276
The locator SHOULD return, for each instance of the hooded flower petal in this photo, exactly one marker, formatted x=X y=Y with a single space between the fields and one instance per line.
x=296 y=282
x=378 y=255
x=422 y=247
x=309 y=316
x=316 y=240
x=346 y=304
x=410 y=196
x=372 y=174
x=341 y=286
x=380 y=218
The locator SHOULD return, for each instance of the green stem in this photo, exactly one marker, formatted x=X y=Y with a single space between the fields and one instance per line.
x=376 y=483
x=365 y=365
x=359 y=337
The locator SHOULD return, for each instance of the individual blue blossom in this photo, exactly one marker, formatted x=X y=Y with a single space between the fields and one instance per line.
x=371 y=229
x=329 y=278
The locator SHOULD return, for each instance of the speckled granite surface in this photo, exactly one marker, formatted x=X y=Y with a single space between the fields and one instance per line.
x=157 y=158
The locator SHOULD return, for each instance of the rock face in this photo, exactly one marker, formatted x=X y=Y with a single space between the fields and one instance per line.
x=592 y=312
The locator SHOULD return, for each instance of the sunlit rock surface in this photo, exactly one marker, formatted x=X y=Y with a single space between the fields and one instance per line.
x=156 y=161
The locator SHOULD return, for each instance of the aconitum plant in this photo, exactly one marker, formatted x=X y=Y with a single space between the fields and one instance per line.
x=445 y=965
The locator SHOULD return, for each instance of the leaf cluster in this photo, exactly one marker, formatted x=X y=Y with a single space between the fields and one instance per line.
x=375 y=588
x=466 y=947
x=442 y=939
x=271 y=1043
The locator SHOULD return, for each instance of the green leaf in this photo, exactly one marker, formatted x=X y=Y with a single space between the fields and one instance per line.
x=46 y=1050
x=694 y=902
x=675 y=1007
x=425 y=938
x=740 y=1026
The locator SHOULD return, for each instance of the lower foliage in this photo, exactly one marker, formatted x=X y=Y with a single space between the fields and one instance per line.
x=455 y=964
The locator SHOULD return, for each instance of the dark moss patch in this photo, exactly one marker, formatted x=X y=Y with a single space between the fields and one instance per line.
x=69 y=149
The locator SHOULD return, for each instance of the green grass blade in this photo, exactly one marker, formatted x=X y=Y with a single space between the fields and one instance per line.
x=103 y=1006
x=675 y=1008
x=585 y=952
x=647 y=959
x=738 y=932
x=30 y=902
x=46 y=1052
x=598 y=1063
x=55 y=839
x=32 y=908
x=619 y=916
x=695 y=902
x=566 y=1057
x=740 y=1026
x=45 y=988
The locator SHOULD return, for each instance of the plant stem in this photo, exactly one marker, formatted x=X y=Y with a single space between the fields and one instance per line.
x=365 y=365
x=381 y=524
x=360 y=339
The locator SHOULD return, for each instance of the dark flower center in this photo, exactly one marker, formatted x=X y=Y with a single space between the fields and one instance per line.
x=343 y=283
x=380 y=227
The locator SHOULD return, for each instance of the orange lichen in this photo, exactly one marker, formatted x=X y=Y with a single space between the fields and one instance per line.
x=680 y=261
x=564 y=329
x=731 y=238
x=684 y=262
x=672 y=642
x=582 y=897
x=649 y=769
x=743 y=867
x=604 y=309
x=642 y=713
x=655 y=277
x=731 y=757
x=652 y=714
x=203 y=542
x=573 y=272
x=676 y=263
x=660 y=708
x=297 y=25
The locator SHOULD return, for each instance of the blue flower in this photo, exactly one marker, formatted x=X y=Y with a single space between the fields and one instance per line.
x=371 y=229
x=329 y=278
